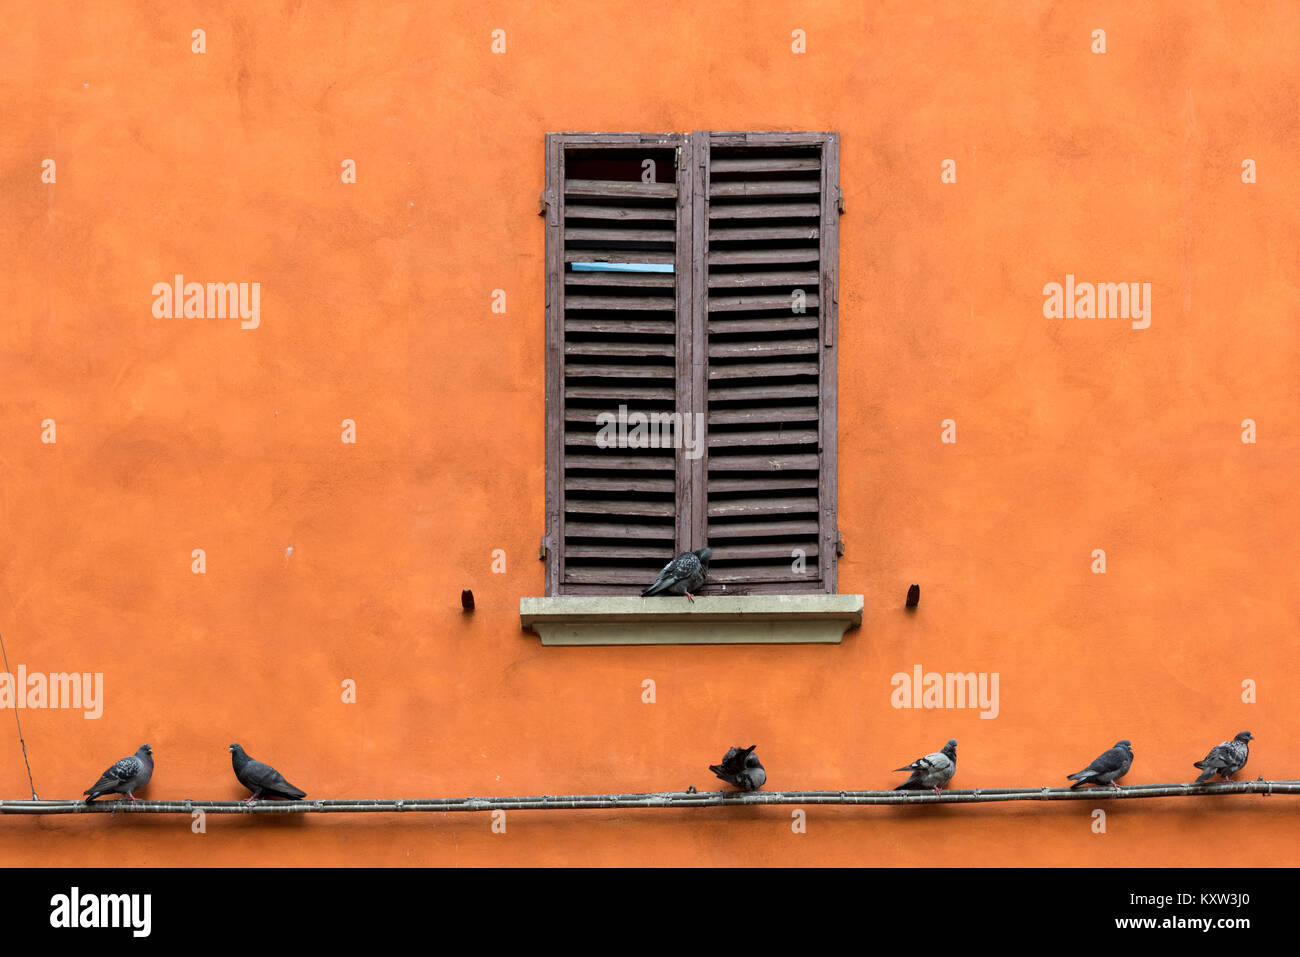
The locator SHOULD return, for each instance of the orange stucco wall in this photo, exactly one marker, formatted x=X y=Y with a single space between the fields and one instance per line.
x=1073 y=435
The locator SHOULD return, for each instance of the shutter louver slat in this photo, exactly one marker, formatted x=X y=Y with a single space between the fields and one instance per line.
x=588 y=483
x=770 y=164
x=623 y=327
x=620 y=188
x=587 y=370
x=755 y=233
x=762 y=463
x=776 y=187
x=637 y=213
x=746 y=438
x=779 y=413
x=763 y=506
x=758 y=257
x=660 y=554
x=761 y=348
x=618 y=530
x=604 y=576
x=608 y=392
x=731 y=553
x=775 y=528
x=616 y=234
x=613 y=256
x=754 y=485
x=619 y=507
x=620 y=280
x=758 y=303
x=778 y=578
x=721 y=326
x=621 y=463
x=735 y=280
x=637 y=303
x=793 y=390
x=613 y=348
x=765 y=211
x=756 y=370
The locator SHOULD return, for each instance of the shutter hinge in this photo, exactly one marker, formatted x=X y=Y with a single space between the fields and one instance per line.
x=839 y=201
x=541 y=550
x=839 y=543
x=546 y=204
x=680 y=164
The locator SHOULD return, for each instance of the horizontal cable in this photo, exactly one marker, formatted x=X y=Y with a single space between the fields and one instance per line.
x=670 y=799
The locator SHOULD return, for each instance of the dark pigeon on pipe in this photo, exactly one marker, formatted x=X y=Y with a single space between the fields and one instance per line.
x=125 y=776
x=740 y=768
x=1107 y=768
x=262 y=779
x=683 y=575
x=932 y=771
x=1226 y=759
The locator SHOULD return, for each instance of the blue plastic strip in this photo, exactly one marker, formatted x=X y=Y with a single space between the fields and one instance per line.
x=621 y=267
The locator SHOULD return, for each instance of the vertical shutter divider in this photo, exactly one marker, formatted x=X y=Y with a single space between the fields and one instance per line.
x=828 y=425
x=554 y=364
x=699 y=469
x=685 y=496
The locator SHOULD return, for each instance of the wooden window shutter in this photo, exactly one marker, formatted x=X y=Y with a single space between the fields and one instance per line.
x=615 y=339
x=742 y=331
x=767 y=245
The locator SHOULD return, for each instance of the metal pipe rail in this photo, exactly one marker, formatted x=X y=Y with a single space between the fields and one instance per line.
x=669 y=799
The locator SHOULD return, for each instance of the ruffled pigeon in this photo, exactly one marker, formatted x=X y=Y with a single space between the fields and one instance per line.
x=125 y=776
x=740 y=767
x=1226 y=759
x=932 y=771
x=683 y=575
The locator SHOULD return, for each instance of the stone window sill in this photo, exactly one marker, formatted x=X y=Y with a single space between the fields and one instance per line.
x=712 y=620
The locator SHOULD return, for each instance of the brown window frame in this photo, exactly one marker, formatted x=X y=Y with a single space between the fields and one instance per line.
x=694 y=151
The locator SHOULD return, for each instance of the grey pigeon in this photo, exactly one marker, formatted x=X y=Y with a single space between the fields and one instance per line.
x=740 y=768
x=125 y=776
x=1226 y=759
x=262 y=778
x=932 y=771
x=683 y=575
x=1107 y=768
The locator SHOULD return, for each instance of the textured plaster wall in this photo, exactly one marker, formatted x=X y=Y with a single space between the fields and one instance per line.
x=1073 y=435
